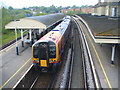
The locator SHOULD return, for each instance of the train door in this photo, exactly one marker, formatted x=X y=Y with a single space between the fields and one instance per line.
x=43 y=54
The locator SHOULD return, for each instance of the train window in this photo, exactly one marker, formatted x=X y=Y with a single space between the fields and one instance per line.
x=52 y=50
x=35 y=51
x=43 y=51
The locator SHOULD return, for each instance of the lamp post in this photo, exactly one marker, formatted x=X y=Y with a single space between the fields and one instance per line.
x=17 y=51
x=108 y=7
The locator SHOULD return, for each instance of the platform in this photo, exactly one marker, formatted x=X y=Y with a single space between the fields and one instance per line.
x=102 y=29
x=14 y=66
x=107 y=72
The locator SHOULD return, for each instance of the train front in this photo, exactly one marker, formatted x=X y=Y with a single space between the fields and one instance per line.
x=44 y=54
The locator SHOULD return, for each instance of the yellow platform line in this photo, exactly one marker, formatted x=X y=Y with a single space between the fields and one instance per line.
x=8 y=48
x=15 y=73
x=106 y=77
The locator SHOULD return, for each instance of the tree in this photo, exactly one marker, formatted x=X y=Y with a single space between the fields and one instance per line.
x=67 y=7
x=70 y=12
x=24 y=8
x=74 y=7
x=10 y=8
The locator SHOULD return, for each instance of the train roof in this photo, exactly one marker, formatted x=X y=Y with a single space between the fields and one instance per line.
x=51 y=36
x=35 y=22
x=55 y=34
x=48 y=19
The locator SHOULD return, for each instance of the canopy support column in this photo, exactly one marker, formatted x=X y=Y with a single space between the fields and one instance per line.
x=27 y=34
x=22 y=38
x=113 y=54
x=30 y=34
x=35 y=37
x=17 y=51
x=39 y=31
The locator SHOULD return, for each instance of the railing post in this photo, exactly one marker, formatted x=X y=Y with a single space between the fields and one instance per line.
x=17 y=51
x=22 y=38
x=30 y=34
x=113 y=54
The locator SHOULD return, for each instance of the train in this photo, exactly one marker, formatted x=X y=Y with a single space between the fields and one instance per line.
x=47 y=51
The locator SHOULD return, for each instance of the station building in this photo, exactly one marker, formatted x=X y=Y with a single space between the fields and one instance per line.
x=86 y=10
x=107 y=8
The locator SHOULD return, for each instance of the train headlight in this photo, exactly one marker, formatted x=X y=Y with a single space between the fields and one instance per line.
x=51 y=61
x=36 y=61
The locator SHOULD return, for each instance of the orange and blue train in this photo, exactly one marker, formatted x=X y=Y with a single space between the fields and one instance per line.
x=48 y=49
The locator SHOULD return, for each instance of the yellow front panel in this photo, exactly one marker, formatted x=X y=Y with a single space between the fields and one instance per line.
x=35 y=58
x=43 y=63
x=57 y=53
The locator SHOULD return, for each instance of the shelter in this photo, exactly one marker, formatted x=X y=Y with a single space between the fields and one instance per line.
x=35 y=23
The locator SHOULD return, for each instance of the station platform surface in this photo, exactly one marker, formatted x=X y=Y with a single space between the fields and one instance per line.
x=103 y=29
x=13 y=66
x=102 y=26
x=108 y=73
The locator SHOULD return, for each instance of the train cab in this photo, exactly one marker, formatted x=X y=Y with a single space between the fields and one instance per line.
x=44 y=54
x=47 y=50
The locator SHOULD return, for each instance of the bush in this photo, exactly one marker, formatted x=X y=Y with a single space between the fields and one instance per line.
x=7 y=16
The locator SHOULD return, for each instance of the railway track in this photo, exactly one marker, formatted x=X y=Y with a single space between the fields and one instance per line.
x=87 y=74
x=80 y=71
x=90 y=78
x=44 y=80
x=77 y=67
x=35 y=79
x=48 y=80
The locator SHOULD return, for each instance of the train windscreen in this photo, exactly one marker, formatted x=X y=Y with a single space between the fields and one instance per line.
x=43 y=51
x=52 y=50
x=35 y=50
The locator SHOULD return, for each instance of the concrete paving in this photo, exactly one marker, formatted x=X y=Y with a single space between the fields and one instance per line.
x=14 y=66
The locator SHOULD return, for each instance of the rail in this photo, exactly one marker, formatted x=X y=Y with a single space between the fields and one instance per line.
x=34 y=79
x=90 y=74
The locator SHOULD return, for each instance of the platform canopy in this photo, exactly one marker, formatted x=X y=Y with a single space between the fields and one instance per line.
x=35 y=22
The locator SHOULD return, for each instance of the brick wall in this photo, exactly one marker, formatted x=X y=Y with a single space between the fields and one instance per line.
x=86 y=10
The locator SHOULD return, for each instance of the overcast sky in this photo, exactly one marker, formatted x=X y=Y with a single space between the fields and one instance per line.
x=28 y=3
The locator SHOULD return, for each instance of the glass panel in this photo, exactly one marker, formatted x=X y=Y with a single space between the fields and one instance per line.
x=35 y=51
x=43 y=51
x=52 y=50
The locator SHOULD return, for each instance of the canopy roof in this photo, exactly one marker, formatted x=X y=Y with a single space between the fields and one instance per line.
x=35 y=22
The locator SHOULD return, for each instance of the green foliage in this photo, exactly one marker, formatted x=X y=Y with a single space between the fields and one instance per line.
x=12 y=14
x=53 y=9
x=8 y=15
x=70 y=12
x=0 y=27
x=73 y=7
x=10 y=35
x=78 y=12
x=40 y=14
x=74 y=12
x=10 y=8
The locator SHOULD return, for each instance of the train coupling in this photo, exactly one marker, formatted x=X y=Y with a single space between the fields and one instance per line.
x=44 y=70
